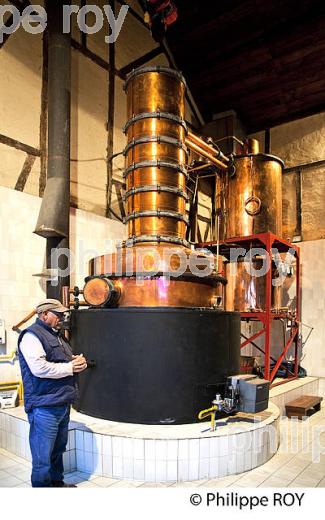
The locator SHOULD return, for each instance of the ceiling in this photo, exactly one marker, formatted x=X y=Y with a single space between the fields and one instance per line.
x=265 y=59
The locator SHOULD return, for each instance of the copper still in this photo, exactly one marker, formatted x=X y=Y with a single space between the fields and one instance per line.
x=156 y=250
x=250 y=201
x=246 y=290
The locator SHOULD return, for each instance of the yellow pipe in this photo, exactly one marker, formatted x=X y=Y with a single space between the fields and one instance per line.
x=209 y=412
x=8 y=357
x=9 y=386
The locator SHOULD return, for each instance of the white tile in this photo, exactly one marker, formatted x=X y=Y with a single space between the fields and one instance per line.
x=127 y=448
x=161 y=450
x=240 y=462
x=27 y=451
x=247 y=460
x=204 y=448
x=117 y=467
x=161 y=471
x=193 y=449
x=79 y=440
x=128 y=468
x=232 y=461
x=214 y=447
x=182 y=470
x=107 y=465
x=172 y=450
x=150 y=449
x=213 y=467
x=171 y=470
x=88 y=441
x=12 y=425
x=107 y=445
x=150 y=470
x=73 y=460
x=223 y=446
x=117 y=447
x=27 y=428
x=193 y=469
x=138 y=449
x=139 y=469
x=97 y=443
x=204 y=466
x=183 y=449
x=223 y=466
x=98 y=463
x=72 y=439
x=89 y=461
x=80 y=456
x=66 y=462
x=22 y=430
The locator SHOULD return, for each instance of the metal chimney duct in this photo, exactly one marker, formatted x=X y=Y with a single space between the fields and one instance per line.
x=54 y=216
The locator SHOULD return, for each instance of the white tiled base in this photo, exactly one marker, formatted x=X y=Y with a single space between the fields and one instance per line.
x=282 y=394
x=154 y=453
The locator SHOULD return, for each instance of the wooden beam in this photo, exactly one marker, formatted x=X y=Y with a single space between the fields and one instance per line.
x=120 y=200
x=13 y=143
x=93 y=57
x=27 y=168
x=83 y=35
x=6 y=36
x=140 y=61
x=135 y=14
x=267 y=141
x=110 y=124
x=44 y=117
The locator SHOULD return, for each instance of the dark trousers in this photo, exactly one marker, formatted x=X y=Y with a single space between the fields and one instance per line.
x=48 y=439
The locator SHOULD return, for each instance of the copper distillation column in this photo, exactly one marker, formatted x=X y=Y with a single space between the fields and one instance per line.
x=156 y=196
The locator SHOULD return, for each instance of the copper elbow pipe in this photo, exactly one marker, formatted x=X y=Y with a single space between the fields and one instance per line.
x=202 y=144
x=205 y=154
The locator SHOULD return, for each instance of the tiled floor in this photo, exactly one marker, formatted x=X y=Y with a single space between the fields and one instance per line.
x=285 y=469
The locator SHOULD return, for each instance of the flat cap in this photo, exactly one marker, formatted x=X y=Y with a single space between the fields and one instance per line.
x=50 y=305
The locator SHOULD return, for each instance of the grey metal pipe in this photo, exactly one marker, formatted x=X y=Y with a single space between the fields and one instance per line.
x=54 y=217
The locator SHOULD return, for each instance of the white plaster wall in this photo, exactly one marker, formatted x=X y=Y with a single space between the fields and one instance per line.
x=23 y=254
x=313 y=305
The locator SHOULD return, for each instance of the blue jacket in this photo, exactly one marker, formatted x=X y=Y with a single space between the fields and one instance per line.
x=45 y=391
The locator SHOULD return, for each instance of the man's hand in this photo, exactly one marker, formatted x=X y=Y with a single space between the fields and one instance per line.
x=79 y=363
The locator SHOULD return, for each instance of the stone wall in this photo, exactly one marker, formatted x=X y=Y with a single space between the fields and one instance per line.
x=299 y=143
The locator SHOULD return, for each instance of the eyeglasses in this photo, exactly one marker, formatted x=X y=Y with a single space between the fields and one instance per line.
x=59 y=315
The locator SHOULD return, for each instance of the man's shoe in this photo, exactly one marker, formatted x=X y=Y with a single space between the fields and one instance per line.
x=61 y=484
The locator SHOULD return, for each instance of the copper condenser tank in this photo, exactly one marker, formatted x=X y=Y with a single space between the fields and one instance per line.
x=250 y=201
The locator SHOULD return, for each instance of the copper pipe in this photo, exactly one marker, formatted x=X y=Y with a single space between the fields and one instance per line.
x=251 y=146
x=208 y=148
x=65 y=295
x=205 y=154
x=201 y=167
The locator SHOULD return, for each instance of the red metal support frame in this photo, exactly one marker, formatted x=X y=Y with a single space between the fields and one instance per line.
x=249 y=340
x=268 y=241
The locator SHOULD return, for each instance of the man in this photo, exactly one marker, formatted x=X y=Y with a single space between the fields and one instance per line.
x=49 y=377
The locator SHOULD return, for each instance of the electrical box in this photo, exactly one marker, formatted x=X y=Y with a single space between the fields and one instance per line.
x=254 y=395
x=253 y=392
x=2 y=332
x=9 y=398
